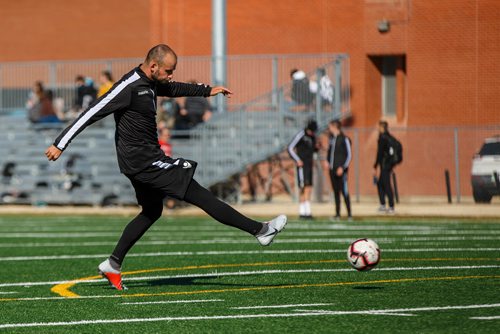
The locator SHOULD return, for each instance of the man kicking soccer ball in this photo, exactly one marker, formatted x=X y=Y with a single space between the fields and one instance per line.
x=132 y=100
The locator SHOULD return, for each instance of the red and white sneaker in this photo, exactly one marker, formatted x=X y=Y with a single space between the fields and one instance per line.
x=113 y=276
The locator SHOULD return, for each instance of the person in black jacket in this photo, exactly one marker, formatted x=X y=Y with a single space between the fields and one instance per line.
x=338 y=159
x=301 y=150
x=132 y=101
x=383 y=168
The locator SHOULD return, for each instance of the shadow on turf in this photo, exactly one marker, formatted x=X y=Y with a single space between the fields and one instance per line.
x=187 y=281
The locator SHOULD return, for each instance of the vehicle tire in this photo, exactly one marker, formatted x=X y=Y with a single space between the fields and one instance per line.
x=481 y=196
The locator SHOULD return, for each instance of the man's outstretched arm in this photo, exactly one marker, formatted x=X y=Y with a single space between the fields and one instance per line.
x=179 y=89
x=118 y=97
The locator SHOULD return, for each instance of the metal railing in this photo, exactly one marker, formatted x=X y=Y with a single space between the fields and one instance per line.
x=262 y=121
x=250 y=77
x=262 y=127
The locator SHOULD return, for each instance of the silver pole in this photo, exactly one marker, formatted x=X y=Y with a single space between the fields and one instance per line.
x=52 y=75
x=275 y=83
x=457 y=164
x=1 y=88
x=318 y=97
x=337 y=89
x=219 y=38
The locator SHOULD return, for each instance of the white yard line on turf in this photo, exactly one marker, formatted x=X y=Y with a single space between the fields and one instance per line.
x=242 y=316
x=278 y=306
x=360 y=312
x=282 y=240
x=495 y=317
x=239 y=273
x=175 y=302
x=8 y=292
x=239 y=252
x=217 y=227
x=79 y=235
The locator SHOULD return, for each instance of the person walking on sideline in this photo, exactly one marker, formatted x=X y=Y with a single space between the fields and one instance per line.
x=338 y=159
x=383 y=168
x=132 y=101
x=301 y=150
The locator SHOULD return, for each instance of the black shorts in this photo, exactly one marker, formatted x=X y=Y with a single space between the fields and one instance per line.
x=165 y=177
x=305 y=175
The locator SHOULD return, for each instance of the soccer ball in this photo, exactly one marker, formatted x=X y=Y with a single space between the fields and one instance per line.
x=363 y=254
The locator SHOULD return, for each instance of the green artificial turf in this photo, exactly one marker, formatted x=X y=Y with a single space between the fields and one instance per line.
x=193 y=275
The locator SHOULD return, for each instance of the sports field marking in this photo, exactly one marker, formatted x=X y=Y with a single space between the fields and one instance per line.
x=495 y=317
x=217 y=227
x=278 y=306
x=64 y=289
x=79 y=235
x=327 y=312
x=221 y=228
x=242 y=252
x=176 y=302
x=255 y=272
x=240 y=316
x=282 y=240
x=272 y=287
x=8 y=292
x=432 y=308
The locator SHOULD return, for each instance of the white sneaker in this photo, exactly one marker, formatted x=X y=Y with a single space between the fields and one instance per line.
x=390 y=211
x=275 y=226
x=382 y=209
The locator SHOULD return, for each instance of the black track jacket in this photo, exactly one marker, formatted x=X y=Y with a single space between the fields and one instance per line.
x=382 y=158
x=339 y=152
x=132 y=100
x=302 y=147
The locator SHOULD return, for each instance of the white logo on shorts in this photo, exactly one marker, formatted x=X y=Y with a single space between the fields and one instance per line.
x=186 y=165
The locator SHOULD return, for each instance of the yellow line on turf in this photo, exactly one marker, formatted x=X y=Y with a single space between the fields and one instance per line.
x=64 y=288
x=293 y=286
x=317 y=285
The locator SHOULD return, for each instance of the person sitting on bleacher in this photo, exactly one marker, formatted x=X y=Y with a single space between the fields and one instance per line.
x=41 y=108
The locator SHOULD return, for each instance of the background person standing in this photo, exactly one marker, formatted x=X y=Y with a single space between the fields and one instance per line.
x=383 y=168
x=338 y=159
x=301 y=150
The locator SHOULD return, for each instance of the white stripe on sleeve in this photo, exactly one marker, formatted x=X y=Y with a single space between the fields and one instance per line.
x=292 y=145
x=348 y=159
x=94 y=110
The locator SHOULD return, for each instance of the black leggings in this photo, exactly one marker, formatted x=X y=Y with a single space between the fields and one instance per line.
x=196 y=195
x=385 y=188
x=339 y=186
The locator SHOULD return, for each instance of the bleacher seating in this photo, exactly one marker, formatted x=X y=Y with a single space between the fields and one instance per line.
x=223 y=147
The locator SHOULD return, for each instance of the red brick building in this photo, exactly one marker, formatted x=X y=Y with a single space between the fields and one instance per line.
x=444 y=52
x=413 y=62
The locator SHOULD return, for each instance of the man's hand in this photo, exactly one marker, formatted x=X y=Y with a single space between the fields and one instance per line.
x=340 y=171
x=53 y=153
x=221 y=90
x=300 y=163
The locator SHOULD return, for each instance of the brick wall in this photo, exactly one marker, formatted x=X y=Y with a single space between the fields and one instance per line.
x=451 y=47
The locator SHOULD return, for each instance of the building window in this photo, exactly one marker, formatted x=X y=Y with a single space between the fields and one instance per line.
x=389 y=86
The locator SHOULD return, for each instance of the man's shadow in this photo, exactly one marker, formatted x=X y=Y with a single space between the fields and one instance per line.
x=190 y=281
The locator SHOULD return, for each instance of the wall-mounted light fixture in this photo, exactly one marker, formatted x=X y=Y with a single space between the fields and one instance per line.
x=383 y=26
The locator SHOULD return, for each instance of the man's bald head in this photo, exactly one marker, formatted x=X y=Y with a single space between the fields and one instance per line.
x=160 y=63
x=157 y=54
